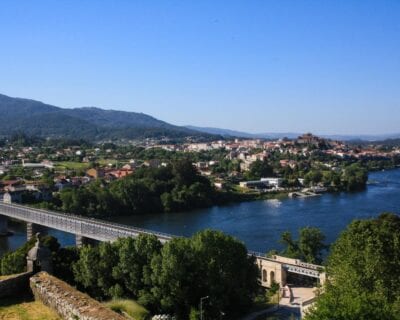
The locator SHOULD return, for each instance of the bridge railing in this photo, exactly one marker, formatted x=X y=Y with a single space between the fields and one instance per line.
x=293 y=264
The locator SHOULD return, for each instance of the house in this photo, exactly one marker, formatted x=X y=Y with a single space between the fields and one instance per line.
x=129 y=166
x=19 y=195
x=118 y=174
x=273 y=182
x=258 y=184
x=95 y=173
x=219 y=184
x=44 y=164
x=11 y=197
x=13 y=185
x=61 y=184
x=201 y=165
x=153 y=163
x=3 y=169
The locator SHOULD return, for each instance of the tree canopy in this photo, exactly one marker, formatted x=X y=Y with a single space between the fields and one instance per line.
x=172 y=278
x=176 y=187
x=260 y=169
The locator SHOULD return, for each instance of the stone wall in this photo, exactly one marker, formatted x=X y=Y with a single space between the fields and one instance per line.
x=69 y=303
x=11 y=286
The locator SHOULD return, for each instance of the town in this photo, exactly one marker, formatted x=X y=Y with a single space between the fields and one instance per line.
x=304 y=166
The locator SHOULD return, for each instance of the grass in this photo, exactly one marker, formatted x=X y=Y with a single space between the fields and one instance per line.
x=25 y=309
x=106 y=162
x=71 y=165
x=128 y=308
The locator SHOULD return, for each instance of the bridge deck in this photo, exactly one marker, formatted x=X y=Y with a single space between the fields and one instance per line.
x=87 y=227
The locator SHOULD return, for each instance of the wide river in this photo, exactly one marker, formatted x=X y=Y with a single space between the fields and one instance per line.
x=259 y=224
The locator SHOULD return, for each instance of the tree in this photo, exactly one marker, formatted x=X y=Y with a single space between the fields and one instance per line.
x=364 y=266
x=260 y=169
x=93 y=270
x=292 y=248
x=15 y=262
x=311 y=244
x=208 y=264
x=309 y=247
x=313 y=177
x=63 y=261
x=133 y=269
x=184 y=172
x=354 y=177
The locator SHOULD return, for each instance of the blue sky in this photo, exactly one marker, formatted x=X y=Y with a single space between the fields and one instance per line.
x=259 y=66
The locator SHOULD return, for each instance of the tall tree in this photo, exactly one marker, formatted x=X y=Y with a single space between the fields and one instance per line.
x=309 y=247
x=311 y=244
x=364 y=268
x=133 y=269
x=260 y=169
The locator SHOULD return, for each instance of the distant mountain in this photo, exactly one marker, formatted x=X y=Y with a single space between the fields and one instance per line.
x=291 y=135
x=39 y=119
x=241 y=134
x=364 y=137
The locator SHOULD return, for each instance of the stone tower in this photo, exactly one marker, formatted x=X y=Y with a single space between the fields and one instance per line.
x=39 y=258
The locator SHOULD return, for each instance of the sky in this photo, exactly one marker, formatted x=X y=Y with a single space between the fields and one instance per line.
x=327 y=67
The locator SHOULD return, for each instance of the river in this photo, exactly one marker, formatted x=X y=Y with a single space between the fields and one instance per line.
x=259 y=224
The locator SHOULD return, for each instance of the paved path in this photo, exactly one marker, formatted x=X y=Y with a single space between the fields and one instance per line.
x=288 y=308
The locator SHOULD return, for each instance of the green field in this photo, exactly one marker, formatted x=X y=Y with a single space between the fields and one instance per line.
x=77 y=166
x=71 y=165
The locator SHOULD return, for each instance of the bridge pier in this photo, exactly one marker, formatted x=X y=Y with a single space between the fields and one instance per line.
x=31 y=230
x=81 y=240
x=3 y=225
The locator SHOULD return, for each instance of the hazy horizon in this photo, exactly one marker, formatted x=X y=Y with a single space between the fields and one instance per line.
x=262 y=66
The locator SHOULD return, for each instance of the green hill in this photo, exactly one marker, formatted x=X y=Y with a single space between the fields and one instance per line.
x=39 y=119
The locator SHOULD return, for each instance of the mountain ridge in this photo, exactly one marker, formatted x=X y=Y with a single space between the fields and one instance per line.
x=36 y=118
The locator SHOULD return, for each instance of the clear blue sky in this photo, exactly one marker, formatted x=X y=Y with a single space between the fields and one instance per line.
x=259 y=66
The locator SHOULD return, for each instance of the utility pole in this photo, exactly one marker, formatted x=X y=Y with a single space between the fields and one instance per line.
x=201 y=306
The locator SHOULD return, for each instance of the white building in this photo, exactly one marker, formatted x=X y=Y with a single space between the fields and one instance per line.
x=272 y=182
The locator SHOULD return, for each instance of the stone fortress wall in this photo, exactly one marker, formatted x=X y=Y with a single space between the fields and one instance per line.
x=13 y=285
x=68 y=302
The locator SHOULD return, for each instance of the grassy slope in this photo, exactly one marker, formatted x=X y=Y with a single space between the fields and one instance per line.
x=130 y=308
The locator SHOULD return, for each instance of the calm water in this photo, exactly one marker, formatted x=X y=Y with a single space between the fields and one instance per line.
x=259 y=224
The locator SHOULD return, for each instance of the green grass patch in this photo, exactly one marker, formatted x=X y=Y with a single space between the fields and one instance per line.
x=71 y=165
x=106 y=162
x=129 y=308
x=25 y=308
